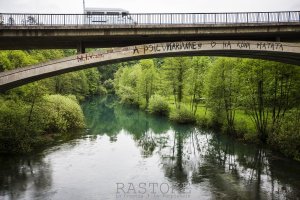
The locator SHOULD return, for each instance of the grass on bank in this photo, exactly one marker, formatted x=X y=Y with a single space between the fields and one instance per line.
x=245 y=128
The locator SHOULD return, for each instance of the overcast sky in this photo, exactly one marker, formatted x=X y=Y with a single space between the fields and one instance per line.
x=137 y=6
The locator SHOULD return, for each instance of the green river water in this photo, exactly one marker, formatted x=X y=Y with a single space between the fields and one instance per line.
x=128 y=154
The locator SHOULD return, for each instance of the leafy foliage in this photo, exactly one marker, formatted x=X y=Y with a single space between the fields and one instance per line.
x=250 y=99
x=182 y=115
x=222 y=91
x=62 y=113
x=158 y=105
x=287 y=136
x=136 y=84
x=54 y=113
x=30 y=112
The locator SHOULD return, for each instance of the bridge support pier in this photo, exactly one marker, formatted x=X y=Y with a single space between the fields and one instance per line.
x=277 y=39
x=80 y=48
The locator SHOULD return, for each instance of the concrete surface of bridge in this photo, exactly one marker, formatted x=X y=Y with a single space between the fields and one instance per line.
x=37 y=31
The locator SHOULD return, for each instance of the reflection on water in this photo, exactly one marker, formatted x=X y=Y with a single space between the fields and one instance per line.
x=128 y=154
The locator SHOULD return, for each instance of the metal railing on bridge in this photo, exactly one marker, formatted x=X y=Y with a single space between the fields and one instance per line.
x=21 y=19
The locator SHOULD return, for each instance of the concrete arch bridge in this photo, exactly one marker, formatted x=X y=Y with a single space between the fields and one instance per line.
x=275 y=51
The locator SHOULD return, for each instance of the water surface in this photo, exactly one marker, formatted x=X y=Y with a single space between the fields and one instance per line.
x=127 y=154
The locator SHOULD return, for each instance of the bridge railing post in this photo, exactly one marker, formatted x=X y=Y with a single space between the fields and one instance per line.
x=182 y=18
x=193 y=18
x=159 y=18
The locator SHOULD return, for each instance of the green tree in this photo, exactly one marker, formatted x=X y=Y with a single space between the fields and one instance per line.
x=62 y=113
x=147 y=80
x=125 y=84
x=175 y=70
x=195 y=79
x=5 y=63
x=256 y=92
x=222 y=86
x=284 y=87
x=25 y=112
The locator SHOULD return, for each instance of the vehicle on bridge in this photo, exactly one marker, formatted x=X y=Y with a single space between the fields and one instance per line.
x=107 y=16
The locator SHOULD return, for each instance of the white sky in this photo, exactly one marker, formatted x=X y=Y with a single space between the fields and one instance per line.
x=152 y=6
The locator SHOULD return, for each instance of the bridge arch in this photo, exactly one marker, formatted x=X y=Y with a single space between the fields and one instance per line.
x=275 y=51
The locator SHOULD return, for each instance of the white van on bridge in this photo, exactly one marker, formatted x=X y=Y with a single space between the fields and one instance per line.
x=107 y=16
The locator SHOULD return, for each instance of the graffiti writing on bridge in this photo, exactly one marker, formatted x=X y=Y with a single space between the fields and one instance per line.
x=85 y=57
x=270 y=46
x=189 y=46
x=172 y=46
x=194 y=46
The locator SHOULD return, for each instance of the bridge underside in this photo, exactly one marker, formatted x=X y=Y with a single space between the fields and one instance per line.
x=74 y=37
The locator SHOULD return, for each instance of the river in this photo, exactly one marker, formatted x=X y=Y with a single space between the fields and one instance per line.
x=128 y=154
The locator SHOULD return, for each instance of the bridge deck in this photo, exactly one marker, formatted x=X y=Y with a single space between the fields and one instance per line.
x=45 y=31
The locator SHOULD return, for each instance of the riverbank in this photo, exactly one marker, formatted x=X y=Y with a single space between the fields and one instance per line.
x=27 y=126
x=40 y=113
x=244 y=132
x=252 y=100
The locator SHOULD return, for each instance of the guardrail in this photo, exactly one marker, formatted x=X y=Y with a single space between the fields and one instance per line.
x=25 y=19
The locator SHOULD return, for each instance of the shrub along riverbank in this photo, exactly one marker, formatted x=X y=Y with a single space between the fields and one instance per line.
x=252 y=100
x=25 y=127
x=33 y=115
